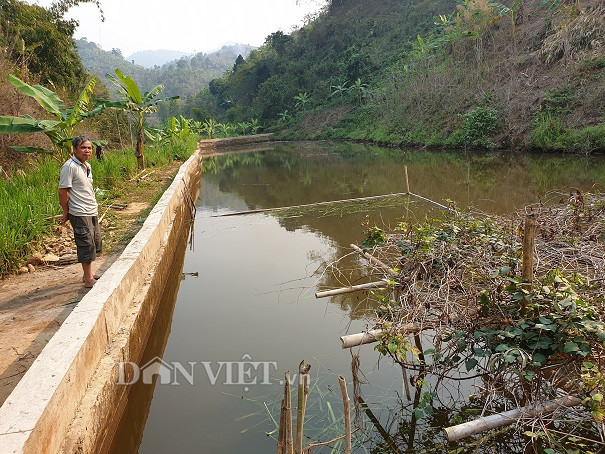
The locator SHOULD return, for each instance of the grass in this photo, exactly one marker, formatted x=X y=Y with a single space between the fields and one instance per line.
x=29 y=200
x=551 y=134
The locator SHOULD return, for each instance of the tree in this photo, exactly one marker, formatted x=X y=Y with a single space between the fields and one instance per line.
x=238 y=61
x=117 y=52
x=59 y=131
x=41 y=44
x=136 y=104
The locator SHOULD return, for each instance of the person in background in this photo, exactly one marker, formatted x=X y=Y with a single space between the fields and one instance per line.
x=99 y=152
x=77 y=199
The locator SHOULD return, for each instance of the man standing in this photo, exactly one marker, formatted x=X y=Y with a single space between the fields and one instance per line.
x=79 y=205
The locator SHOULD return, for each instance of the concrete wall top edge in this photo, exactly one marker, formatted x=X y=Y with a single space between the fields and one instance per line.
x=26 y=404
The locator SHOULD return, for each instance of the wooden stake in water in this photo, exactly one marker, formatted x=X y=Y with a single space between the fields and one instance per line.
x=303 y=392
x=347 y=410
x=407 y=181
x=281 y=445
x=288 y=430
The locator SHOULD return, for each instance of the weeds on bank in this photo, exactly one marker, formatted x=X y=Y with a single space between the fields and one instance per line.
x=551 y=134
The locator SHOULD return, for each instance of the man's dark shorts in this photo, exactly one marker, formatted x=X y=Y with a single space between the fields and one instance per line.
x=88 y=237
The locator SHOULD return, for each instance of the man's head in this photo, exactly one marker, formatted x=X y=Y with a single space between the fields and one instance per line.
x=82 y=147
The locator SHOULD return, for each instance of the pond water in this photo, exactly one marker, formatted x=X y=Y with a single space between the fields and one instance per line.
x=245 y=310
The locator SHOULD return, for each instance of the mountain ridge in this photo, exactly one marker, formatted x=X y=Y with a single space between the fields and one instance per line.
x=150 y=58
x=182 y=77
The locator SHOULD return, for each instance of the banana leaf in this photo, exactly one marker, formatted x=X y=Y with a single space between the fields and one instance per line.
x=32 y=150
x=153 y=93
x=45 y=97
x=18 y=125
x=127 y=85
x=81 y=106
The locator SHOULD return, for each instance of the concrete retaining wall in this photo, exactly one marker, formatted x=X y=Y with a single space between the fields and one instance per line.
x=228 y=142
x=69 y=400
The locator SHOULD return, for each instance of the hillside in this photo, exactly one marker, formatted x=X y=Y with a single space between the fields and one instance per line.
x=523 y=74
x=182 y=77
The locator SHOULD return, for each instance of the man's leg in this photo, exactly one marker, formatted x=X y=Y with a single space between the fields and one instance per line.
x=89 y=279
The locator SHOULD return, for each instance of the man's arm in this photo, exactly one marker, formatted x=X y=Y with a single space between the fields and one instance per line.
x=63 y=200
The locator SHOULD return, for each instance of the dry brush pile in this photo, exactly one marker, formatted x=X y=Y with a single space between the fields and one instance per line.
x=458 y=287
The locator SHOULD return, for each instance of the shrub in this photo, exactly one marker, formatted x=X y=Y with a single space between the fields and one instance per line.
x=478 y=127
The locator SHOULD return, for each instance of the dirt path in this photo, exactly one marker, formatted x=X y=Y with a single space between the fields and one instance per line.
x=33 y=305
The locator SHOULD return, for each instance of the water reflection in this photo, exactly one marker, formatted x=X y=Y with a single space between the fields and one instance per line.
x=258 y=273
x=303 y=173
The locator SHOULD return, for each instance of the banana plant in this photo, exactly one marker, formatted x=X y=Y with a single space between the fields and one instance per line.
x=225 y=129
x=301 y=101
x=157 y=136
x=243 y=127
x=284 y=116
x=197 y=127
x=339 y=90
x=61 y=130
x=210 y=127
x=177 y=128
x=137 y=104
x=254 y=125
x=359 y=90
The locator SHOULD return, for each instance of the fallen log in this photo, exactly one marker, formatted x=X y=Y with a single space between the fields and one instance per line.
x=455 y=433
x=351 y=289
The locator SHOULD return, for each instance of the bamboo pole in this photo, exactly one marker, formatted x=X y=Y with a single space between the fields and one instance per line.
x=351 y=289
x=374 y=260
x=347 y=410
x=354 y=340
x=407 y=181
x=307 y=205
x=333 y=202
x=455 y=433
x=281 y=445
x=433 y=202
x=288 y=429
x=303 y=392
x=372 y=335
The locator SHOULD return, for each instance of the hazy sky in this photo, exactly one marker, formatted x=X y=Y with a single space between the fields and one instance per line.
x=186 y=25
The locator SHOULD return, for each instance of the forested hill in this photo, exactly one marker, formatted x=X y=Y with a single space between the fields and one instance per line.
x=183 y=77
x=520 y=73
